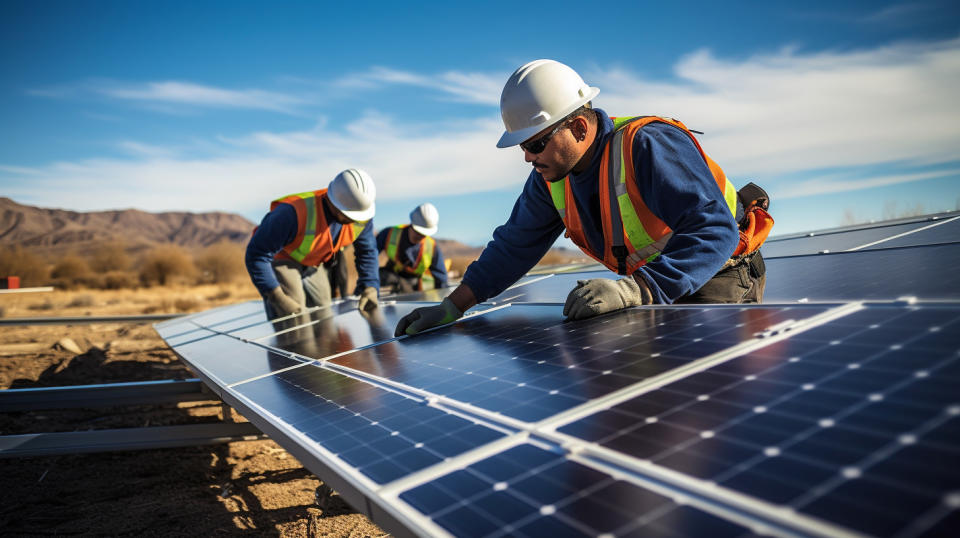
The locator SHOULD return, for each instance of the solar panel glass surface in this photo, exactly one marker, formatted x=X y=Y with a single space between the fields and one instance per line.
x=524 y=362
x=856 y=422
x=836 y=241
x=888 y=274
x=946 y=231
x=325 y=332
x=530 y=491
x=226 y=360
x=547 y=289
x=382 y=434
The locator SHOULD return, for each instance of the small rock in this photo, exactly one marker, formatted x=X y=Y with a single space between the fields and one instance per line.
x=67 y=344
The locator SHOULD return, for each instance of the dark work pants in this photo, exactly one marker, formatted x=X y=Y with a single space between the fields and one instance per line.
x=740 y=282
x=399 y=283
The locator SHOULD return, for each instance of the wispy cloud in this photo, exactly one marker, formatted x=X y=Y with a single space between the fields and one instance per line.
x=166 y=95
x=772 y=118
x=835 y=183
x=476 y=88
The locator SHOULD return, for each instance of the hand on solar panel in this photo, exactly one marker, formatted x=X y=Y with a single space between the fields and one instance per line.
x=428 y=317
x=282 y=303
x=601 y=295
x=368 y=299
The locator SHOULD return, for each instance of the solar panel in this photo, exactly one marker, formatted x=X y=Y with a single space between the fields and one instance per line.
x=944 y=231
x=837 y=241
x=552 y=288
x=911 y=231
x=866 y=275
x=527 y=490
x=523 y=362
x=854 y=422
x=831 y=419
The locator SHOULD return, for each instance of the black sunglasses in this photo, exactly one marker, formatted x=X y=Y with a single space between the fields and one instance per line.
x=538 y=145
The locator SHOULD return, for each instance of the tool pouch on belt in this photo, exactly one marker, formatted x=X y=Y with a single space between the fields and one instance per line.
x=756 y=223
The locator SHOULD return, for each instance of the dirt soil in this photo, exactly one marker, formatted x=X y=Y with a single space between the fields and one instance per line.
x=242 y=488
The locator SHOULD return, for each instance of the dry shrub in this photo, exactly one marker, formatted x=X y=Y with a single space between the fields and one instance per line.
x=221 y=262
x=45 y=305
x=71 y=268
x=185 y=304
x=109 y=257
x=166 y=264
x=18 y=261
x=220 y=295
x=459 y=264
x=562 y=256
x=81 y=301
x=116 y=280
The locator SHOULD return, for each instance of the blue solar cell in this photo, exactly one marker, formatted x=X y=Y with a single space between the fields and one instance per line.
x=808 y=425
x=924 y=272
x=528 y=491
x=383 y=434
x=226 y=314
x=942 y=231
x=323 y=332
x=226 y=360
x=547 y=289
x=524 y=362
x=174 y=327
x=837 y=241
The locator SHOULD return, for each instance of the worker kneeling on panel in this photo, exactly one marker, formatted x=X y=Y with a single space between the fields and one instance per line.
x=638 y=194
x=414 y=261
x=303 y=231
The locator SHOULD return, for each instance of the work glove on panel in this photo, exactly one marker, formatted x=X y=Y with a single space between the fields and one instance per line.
x=368 y=299
x=601 y=295
x=282 y=303
x=428 y=317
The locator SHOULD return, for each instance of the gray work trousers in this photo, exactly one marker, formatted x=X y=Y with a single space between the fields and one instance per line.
x=307 y=285
x=742 y=280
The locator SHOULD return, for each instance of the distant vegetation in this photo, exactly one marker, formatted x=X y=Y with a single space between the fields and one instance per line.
x=110 y=266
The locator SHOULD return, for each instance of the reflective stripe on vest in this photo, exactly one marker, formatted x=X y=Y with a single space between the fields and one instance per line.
x=313 y=243
x=633 y=235
x=420 y=268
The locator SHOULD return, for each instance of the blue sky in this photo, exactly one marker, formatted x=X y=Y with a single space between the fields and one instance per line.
x=841 y=110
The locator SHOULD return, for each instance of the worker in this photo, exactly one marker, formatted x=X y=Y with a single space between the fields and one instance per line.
x=286 y=254
x=414 y=261
x=638 y=194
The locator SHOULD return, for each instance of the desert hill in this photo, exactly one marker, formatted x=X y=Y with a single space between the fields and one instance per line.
x=43 y=230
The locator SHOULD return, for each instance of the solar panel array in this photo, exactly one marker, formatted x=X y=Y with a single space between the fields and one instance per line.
x=830 y=410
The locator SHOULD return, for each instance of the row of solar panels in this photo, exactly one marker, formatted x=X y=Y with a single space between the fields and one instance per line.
x=804 y=419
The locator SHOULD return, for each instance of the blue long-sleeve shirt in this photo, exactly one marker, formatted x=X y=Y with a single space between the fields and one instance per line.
x=677 y=186
x=408 y=256
x=279 y=228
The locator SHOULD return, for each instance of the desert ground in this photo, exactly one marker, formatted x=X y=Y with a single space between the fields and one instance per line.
x=241 y=488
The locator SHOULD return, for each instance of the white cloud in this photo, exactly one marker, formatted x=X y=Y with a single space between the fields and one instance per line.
x=186 y=93
x=767 y=117
x=475 y=88
x=787 y=112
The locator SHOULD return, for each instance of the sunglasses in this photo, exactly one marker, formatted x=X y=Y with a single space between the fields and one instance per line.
x=538 y=145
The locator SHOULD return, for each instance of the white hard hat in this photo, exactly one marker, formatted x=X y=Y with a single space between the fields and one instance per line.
x=538 y=95
x=352 y=192
x=424 y=219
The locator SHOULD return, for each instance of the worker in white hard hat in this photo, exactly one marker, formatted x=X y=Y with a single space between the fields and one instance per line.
x=414 y=261
x=302 y=232
x=638 y=194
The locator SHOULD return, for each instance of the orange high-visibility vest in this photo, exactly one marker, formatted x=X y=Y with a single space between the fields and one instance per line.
x=421 y=267
x=313 y=244
x=632 y=234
